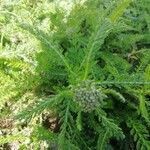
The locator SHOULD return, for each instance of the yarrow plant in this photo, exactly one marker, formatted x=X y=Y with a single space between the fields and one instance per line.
x=91 y=82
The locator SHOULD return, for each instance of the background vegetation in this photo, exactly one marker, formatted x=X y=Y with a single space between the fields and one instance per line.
x=75 y=74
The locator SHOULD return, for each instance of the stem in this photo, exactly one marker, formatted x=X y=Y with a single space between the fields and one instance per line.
x=87 y=62
x=103 y=140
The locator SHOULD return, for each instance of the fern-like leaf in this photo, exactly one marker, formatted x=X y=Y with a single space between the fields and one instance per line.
x=103 y=139
x=41 y=105
x=116 y=94
x=140 y=133
x=46 y=40
x=109 y=124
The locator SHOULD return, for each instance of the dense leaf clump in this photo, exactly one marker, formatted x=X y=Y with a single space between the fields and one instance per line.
x=75 y=76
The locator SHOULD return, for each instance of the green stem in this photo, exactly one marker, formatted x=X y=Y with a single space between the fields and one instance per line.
x=103 y=140
x=87 y=62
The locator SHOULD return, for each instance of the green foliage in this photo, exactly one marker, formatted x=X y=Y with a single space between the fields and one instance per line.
x=142 y=108
x=11 y=138
x=140 y=134
x=42 y=104
x=40 y=133
x=110 y=130
x=87 y=69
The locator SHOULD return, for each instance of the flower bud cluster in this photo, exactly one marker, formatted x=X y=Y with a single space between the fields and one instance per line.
x=87 y=96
